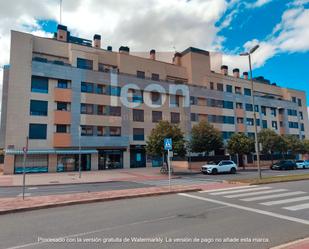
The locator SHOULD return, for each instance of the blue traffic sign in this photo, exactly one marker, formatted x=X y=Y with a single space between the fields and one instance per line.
x=168 y=144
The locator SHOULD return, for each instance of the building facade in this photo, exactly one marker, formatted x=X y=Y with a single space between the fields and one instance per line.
x=69 y=97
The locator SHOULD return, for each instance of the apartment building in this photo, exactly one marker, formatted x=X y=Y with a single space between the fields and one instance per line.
x=70 y=97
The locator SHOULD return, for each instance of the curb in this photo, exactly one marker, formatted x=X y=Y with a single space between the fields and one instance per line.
x=293 y=244
x=94 y=200
x=260 y=183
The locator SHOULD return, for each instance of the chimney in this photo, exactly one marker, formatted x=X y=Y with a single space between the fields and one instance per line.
x=97 y=41
x=236 y=72
x=62 y=33
x=177 y=59
x=109 y=48
x=124 y=50
x=152 y=54
x=245 y=74
x=224 y=69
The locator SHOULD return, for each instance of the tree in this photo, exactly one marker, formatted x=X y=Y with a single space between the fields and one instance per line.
x=270 y=141
x=155 y=142
x=205 y=138
x=240 y=144
x=306 y=146
x=294 y=144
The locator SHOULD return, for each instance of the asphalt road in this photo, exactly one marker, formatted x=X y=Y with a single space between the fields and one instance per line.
x=211 y=221
x=186 y=179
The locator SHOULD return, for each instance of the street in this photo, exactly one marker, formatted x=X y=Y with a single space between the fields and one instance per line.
x=184 y=179
x=246 y=217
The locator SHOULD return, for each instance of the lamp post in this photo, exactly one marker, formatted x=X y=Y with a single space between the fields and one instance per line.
x=79 y=154
x=251 y=51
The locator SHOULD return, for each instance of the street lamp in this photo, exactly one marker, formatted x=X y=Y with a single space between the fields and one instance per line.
x=251 y=51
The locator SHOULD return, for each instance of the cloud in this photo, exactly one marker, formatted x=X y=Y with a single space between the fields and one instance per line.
x=258 y=3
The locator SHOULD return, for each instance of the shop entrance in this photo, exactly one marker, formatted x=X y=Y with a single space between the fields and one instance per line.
x=110 y=159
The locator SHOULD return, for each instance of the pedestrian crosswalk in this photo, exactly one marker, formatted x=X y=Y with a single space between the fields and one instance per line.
x=266 y=196
x=179 y=181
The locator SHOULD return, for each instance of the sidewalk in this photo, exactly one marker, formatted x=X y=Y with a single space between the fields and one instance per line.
x=17 y=204
x=87 y=177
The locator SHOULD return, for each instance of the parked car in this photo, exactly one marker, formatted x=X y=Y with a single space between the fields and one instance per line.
x=284 y=165
x=302 y=164
x=222 y=166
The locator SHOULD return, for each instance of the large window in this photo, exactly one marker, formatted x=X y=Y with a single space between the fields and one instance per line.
x=220 y=87
x=61 y=128
x=109 y=110
x=174 y=100
x=292 y=112
x=155 y=76
x=86 y=130
x=293 y=125
x=264 y=124
x=39 y=84
x=250 y=121
x=84 y=64
x=274 y=125
x=38 y=107
x=138 y=134
x=156 y=98
x=247 y=91
x=138 y=115
x=86 y=108
x=140 y=74
x=114 y=131
x=63 y=106
x=175 y=117
x=63 y=84
x=156 y=116
x=229 y=88
x=87 y=87
x=249 y=107
x=37 y=131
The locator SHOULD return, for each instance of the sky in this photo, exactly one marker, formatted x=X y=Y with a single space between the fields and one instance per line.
x=280 y=27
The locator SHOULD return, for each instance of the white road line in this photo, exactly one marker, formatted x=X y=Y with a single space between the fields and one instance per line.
x=280 y=216
x=298 y=207
x=239 y=191
x=222 y=189
x=256 y=193
x=270 y=203
x=26 y=194
x=32 y=188
x=273 y=196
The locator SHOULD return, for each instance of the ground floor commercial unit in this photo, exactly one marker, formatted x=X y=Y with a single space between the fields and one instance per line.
x=53 y=160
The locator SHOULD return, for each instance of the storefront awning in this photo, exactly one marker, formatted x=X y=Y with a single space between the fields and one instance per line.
x=42 y=152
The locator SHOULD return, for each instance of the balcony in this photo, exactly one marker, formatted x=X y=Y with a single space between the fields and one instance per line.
x=62 y=140
x=62 y=117
x=63 y=94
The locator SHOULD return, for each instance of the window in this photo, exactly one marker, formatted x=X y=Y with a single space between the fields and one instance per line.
x=293 y=125
x=249 y=107
x=194 y=117
x=108 y=110
x=115 y=111
x=39 y=84
x=155 y=76
x=86 y=108
x=263 y=110
x=292 y=112
x=228 y=105
x=156 y=98
x=137 y=96
x=87 y=87
x=301 y=115
x=247 y=92
x=229 y=88
x=258 y=122
x=299 y=102
x=62 y=106
x=101 y=67
x=211 y=86
x=138 y=115
x=281 y=124
x=251 y=135
x=174 y=100
x=37 y=131
x=221 y=119
x=240 y=120
x=156 y=116
x=84 y=64
x=193 y=100
x=101 y=89
x=238 y=105
x=114 y=131
x=101 y=131
x=274 y=125
x=250 y=121
x=114 y=90
x=226 y=135
x=294 y=99
x=140 y=74
x=61 y=128
x=273 y=111
x=302 y=127
x=175 y=117
x=220 y=87
x=138 y=134
x=237 y=90
x=38 y=108
x=256 y=108
x=264 y=124
x=63 y=84
x=86 y=130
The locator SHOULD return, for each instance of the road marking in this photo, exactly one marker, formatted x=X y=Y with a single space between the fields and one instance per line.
x=26 y=194
x=298 y=207
x=280 y=216
x=222 y=189
x=32 y=188
x=240 y=191
x=270 y=203
x=273 y=196
x=256 y=193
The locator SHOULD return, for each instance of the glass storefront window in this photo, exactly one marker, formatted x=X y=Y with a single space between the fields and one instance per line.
x=110 y=159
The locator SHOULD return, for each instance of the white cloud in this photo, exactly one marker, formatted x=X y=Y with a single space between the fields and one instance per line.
x=258 y=3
